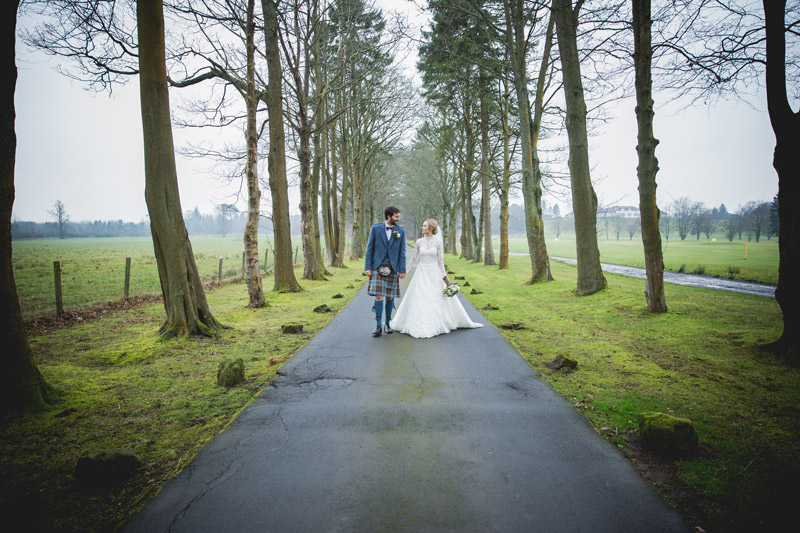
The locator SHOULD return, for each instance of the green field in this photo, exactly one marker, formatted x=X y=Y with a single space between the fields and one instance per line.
x=717 y=258
x=121 y=386
x=93 y=270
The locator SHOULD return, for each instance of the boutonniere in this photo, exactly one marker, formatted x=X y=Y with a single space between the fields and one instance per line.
x=396 y=234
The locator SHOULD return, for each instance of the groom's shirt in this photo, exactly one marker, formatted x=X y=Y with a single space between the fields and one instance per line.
x=388 y=232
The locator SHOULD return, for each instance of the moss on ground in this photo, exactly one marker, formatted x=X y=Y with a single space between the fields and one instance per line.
x=700 y=361
x=122 y=387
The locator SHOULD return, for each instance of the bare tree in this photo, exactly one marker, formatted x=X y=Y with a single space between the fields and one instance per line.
x=648 y=164
x=60 y=216
x=184 y=298
x=731 y=226
x=276 y=160
x=584 y=199
x=756 y=216
x=22 y=387
x=683 y=211
x=529 y=131
x=99 y=37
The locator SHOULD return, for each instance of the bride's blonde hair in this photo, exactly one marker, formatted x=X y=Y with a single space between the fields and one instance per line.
x=433 y=226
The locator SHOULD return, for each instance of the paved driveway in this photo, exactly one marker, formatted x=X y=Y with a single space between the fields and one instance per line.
x=453 y=433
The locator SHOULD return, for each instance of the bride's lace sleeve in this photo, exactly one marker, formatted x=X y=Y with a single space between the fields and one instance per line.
x=440 y=257
x=414 y=258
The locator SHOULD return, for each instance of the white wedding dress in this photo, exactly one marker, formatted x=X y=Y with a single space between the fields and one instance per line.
x=424 y=311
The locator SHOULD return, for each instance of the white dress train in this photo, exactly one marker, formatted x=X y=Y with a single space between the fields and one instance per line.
x=424 y=311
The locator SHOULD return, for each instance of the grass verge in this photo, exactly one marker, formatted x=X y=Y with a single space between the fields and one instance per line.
x=699 y=361
x=740 y=260
x=121 y=387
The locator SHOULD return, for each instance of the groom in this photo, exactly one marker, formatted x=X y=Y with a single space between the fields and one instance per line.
x=386 y=246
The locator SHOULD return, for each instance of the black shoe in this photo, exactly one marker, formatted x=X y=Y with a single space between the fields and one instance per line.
x=388 y=329
x=377 y=332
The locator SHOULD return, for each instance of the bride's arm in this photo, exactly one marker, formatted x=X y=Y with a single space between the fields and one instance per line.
x=440 y=257
x=414 y=258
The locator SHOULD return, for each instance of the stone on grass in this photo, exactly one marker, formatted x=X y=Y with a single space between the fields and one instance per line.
x=476 y=291
x=230 y=372
x=562 y=362
x=292 y=327
x=106 y=467
x=338 y=295
x=459 y=277
x=322 y=309
x=450 y=272
x=350 y=286
x=466 y=284
x=667 y=435
x=512 y=324
x=491 y=307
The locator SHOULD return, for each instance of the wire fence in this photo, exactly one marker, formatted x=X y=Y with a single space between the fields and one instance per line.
x=85 y=281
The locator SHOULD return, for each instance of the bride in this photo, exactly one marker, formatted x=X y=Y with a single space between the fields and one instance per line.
x=424 y=311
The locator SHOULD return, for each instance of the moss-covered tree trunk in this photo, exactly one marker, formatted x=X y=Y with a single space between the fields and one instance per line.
x=506 y=181
x=252 y=275
x=648 y=164
x=786 y=160
x=285 y=279
x=584 y=199
x=312 y=266
x=531 y=176
x=184 y=297
x=344 y=204
x=22 y=387
x=357 y=248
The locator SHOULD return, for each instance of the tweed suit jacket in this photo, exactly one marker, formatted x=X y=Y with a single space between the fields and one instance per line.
x=378 y=245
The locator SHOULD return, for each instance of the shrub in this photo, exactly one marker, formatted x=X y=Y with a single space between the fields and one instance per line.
x=732 y=271
x=699 y=270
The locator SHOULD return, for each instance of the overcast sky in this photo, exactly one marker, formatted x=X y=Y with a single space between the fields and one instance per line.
x=85 y=149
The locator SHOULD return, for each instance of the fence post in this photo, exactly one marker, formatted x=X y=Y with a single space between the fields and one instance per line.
x=127 y=278
x=57 y=279
x=219 y=276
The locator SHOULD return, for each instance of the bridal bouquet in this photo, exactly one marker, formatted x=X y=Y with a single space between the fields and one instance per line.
x=452 y=289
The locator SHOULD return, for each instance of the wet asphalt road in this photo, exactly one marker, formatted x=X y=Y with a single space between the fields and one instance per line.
x=453 y=433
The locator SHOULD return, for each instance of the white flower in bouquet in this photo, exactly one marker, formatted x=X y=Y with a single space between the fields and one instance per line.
x=451 y=290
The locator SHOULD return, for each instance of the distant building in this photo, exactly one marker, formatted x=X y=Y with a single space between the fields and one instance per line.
x=619 y=211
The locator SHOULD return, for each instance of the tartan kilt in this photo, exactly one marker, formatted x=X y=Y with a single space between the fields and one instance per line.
x=380 y=286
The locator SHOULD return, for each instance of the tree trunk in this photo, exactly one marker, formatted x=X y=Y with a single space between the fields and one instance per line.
x=648 y=164
x=506 y=183
x=253 y=275
x=356 y=249
x=285 y=279
x=313 y=263
x=466 y=217
x=786 y=160
x=584 y=199
x=315 y=194
x=184 y=298
x=488 y=251
x=344 y=206
x=23 y=387
x=531 y=176
x=451 y=237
